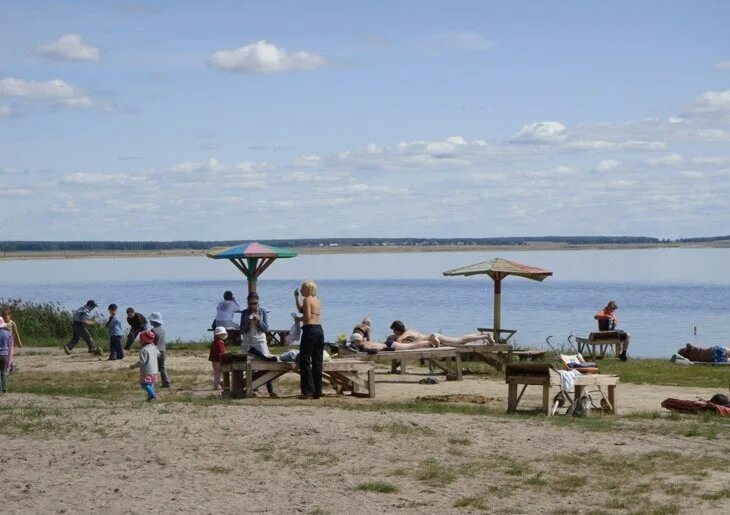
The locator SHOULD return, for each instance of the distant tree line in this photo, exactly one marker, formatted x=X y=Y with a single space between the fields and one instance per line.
x=78 y=246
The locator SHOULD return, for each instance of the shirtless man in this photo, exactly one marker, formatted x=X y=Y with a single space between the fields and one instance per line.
x=411 y=336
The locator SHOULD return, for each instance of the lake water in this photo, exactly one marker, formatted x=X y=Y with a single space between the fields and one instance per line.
x=663 y=294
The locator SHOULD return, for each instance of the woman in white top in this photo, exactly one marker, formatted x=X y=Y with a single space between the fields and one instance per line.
x=224 y=317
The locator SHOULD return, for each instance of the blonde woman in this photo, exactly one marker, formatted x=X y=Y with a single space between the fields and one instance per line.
x=311 y=346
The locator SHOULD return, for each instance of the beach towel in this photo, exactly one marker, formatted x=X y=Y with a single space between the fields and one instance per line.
x=694 y=407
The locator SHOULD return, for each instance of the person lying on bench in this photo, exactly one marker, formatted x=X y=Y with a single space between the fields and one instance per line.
x=358 y=343
x=411 y=336
x=607 y=322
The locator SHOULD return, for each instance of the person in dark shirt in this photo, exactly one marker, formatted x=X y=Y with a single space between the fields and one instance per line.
x=137 y=322
x=607 y=322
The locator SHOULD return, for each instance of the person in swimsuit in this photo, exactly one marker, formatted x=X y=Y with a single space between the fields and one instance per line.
x=361 y=331
x=403 y=335
x=311 y=346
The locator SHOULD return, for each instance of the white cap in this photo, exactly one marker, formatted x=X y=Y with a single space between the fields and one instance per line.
x=356 y=337
x=220 y=330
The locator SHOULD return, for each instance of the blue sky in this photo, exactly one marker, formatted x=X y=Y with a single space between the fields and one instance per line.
x=227 y=120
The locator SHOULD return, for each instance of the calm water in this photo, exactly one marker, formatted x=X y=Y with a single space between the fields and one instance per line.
x=662 y=293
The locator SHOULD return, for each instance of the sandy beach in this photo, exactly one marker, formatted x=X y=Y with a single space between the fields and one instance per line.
x=193 y=452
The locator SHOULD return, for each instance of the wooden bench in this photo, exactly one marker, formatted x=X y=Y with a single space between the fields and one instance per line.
x=597 y=345
x=276 y=337
x=242 y=374
x=543 y=374
x=446 y=359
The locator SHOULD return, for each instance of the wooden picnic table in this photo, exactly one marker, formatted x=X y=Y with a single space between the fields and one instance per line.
x=543 y=374
x=244 y=374
x=276 y=337
x=597 y=345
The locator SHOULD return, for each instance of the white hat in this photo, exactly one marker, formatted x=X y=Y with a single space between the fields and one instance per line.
x=156 y=317
x=356 y=337
x=220 y=330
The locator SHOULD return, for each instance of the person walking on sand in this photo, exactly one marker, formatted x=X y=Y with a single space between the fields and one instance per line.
x=114 y=325
x=137 y=323
x=5 y=338
x=82 y=319
x=156 y=321
x=607 y=321
x=311 y=346
x=219 y=347
x=14 y=340
x=147 y=364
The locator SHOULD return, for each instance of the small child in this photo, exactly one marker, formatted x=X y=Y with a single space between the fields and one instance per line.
x=115 y=334
x=147 y=364
x=218 y=348
x=5 y=339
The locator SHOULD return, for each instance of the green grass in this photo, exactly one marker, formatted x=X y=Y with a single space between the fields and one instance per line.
x=399 y=428
x=380 y=487
x=475 y=503
x=434 y=473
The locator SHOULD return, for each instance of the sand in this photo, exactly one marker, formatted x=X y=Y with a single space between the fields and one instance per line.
x=284 y=456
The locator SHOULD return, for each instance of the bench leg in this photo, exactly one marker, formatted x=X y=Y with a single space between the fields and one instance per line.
x=237 y=386
x=457 y=366
x=226 y=381
x=355 y=385
x=371 y=383
x=511 y=398
x=546 y=400
x=249 y=381
x=612 y=397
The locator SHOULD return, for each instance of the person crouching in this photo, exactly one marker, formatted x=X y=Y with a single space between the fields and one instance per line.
x=218 y=348
x=147 y=364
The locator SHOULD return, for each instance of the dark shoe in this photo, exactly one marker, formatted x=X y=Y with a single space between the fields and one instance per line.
x=166 y=385
x=271 y=358
x=274 y=395
x=66 y=350
x=304 y=397
x=623 y=357
x=316 y=397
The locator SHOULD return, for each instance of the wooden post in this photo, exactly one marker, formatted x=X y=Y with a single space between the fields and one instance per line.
x=249 y=380
x=497 y=306
x=371 y=383
x=546 y=399
x=251 y=276
x=512 y=398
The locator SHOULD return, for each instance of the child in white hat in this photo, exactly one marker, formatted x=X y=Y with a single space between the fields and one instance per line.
x=219 y=347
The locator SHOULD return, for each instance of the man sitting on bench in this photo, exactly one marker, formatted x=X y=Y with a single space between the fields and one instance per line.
x=607 y=322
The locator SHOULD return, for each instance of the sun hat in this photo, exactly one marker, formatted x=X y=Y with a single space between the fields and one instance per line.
x=147 y=336
x=220 y=330
x=156 y=317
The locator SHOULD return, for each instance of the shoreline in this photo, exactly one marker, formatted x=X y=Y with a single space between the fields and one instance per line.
x=390 y=249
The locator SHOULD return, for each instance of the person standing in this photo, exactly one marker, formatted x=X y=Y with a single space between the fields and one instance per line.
x=82 y=319
x=147 y=364
x=254 y=324
x=219 y=347
x=607 y=321
x=224 y=313
x=5 y=337
x=156 y=321
x=15 y=340
x=311 y=346
x=137 y=322
x=114 y=325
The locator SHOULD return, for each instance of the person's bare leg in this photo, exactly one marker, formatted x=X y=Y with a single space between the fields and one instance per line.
x=376 y=346
x=462 y=340
x=418 y=344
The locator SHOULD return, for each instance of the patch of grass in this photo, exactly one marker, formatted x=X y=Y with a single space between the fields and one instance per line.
x=568 y=483
x=321 y=457
x=454 y=440
x=220 y=469
x=380 y=487
x=399 y=428
x=475 y=503
x=399 y=472
x=722 y=493
x=537 y=480
x=421 y=407
x=33 y=419
x=434 y=473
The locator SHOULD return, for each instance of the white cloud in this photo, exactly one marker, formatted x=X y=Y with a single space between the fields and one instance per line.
x=66 y=206
x=712 y=161
x=56 y=92
x=96 y=178
x=460 y=40
x=712 y=104
x=541 y=132
x=67 y=48
x=15 y=192
x=722 y=66
x=307 y=162
x=264 y=57
x=309 y=177
x=670 y=160
x=5 y=111
x=608 y=165
x=691 y=174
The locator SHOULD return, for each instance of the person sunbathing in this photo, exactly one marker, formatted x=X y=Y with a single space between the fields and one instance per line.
x=357 y=342
x=411 y=336
x=716 y=354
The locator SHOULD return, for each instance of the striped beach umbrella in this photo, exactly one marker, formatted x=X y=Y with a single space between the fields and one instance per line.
x=498 y=269
x=252 y=259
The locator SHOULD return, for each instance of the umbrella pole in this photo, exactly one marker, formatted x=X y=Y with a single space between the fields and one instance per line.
x=252 y=262
x=497 y=307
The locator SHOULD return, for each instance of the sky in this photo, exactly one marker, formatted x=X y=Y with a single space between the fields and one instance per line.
x=287 y=119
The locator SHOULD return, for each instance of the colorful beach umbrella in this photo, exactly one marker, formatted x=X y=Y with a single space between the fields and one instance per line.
x=252 y=259
x=498 y=269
